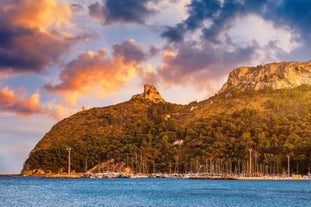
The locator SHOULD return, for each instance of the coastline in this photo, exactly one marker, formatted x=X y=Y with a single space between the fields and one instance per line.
x=269 y=178
x=114 y=175
x=10 y=175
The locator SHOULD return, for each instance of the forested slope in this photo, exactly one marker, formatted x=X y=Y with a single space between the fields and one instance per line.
x=217 y=134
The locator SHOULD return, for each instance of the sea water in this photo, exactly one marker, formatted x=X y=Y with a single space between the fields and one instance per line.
x=29 y=191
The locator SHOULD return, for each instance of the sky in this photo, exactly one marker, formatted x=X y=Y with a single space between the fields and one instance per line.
x=59 y=55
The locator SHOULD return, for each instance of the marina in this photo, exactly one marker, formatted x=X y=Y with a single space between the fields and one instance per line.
x=112 y=175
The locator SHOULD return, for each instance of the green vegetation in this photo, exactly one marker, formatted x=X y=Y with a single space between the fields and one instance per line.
x=218 y=134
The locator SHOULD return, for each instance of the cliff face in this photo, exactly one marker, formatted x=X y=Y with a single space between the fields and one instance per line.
x=274 y=75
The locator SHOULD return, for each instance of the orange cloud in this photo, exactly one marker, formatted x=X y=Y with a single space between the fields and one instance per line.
x=55 y=111
x=7 y=96
x=41 y=14
x=34 y=34
x=31 y=103
x=92 y=73
x=12 y=102
x=17 y=103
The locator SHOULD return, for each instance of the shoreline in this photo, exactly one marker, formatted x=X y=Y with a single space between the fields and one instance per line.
x=10 y=175
x=272 y=178
x=164 y=176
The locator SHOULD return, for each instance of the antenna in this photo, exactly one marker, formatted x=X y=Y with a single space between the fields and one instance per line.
x=69 y=149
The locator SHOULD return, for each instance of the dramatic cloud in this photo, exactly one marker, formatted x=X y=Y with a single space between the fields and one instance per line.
x=174 y=34
x=10 y=101
x=130 y=50
x=295 y=14
x=212 y=17
x=219 y=35
x=254 y=31
x=215 y=16
x=168 y=12
x=121 y=11
x=16 y=102
x=28 y=50
x=29 y=40
x=95 y=74
x=35 y=14
x=198 y=65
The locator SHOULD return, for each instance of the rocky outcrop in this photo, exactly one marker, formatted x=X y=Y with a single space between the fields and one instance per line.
x=273 y=75
x=34 y=172
x=151 y=94
x=110 y=165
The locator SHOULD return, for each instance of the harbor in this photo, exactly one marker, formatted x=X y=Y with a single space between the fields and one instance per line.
x=116 y=175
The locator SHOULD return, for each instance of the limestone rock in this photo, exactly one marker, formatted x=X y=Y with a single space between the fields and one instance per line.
x=151 y=94
x=273 y=75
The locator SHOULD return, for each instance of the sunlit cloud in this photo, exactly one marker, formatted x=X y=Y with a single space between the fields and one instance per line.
x=93 y=73
x=31 y=35
x=17 y=103
x=54 y=110
x=42 y=14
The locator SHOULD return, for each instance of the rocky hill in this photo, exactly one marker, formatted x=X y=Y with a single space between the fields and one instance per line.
x=274 y=75
x=262 y=108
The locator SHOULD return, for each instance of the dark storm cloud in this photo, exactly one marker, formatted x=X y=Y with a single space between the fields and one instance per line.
x=198 y=11
x=28 y=50
x=174 y=34
x=215 y=12
x=120 y=11
x=130 y=50
x=294 y=14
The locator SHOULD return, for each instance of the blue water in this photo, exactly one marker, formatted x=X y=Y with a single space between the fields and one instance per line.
x=25 y=191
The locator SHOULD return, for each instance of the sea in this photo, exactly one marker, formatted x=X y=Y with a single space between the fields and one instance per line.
x=32 y=191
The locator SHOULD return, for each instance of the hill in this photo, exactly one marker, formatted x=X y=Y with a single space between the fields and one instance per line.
x=273 y=75
x=218 y=135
